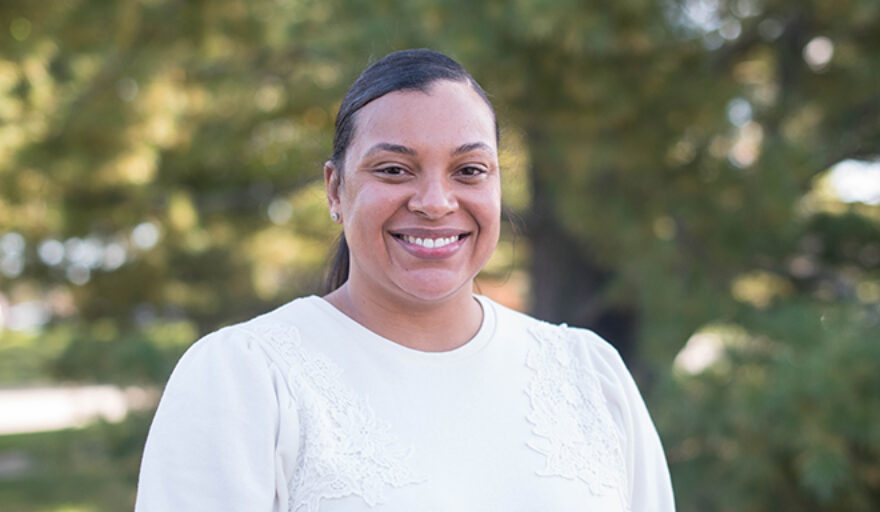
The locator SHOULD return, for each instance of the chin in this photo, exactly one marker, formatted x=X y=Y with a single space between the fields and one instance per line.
x=429 y=289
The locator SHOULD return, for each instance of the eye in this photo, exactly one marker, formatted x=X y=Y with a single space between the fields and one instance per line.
x=471 y=171
x=391 y=171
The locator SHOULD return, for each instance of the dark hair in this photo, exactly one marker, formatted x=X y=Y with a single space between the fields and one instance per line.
x=406 y=70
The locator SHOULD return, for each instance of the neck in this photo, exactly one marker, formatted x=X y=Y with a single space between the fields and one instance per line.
x=430 y=327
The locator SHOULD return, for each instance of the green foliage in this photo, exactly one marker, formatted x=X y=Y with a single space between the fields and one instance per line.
x=93 y=469
x=99 y=353
x=28 y=357
x=785 y=420
x=188 y=118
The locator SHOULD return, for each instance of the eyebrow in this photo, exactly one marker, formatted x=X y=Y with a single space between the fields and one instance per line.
x=397 y=148
x=394 y=148
x=467 y=148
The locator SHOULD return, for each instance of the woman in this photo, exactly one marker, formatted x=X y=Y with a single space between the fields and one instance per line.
x=400 y=390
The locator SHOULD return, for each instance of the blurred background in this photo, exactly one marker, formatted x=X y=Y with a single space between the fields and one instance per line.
x=696 y=180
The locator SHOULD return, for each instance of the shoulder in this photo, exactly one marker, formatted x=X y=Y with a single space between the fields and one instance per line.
x=287 y=317
x=263 y=341
x=604 y=357
x=563 y=340
x=560 y=353
x=574 y=405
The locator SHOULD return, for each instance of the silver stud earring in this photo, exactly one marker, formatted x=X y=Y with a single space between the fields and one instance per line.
x=334 y=216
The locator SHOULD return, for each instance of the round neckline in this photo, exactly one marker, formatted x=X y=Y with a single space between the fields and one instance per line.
x=479 y=341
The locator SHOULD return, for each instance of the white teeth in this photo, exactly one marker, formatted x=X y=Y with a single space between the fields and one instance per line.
x=430 y=243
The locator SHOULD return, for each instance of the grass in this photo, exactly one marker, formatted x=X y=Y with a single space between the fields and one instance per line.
x=79 y=470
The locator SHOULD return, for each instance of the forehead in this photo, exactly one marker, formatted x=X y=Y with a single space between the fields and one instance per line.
x=447 y=115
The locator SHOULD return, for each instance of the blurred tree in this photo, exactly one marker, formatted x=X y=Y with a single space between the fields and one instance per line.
x=674 y=148
x=153 y=152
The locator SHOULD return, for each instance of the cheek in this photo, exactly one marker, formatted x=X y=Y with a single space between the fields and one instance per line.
x=487 y=205
x=493 y=217
x=370 y=205
x=357 y=198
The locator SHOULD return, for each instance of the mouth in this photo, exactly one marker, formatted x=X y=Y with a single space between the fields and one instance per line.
x=431 y=242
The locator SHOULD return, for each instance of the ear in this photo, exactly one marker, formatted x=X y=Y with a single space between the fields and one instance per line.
x=332 y=184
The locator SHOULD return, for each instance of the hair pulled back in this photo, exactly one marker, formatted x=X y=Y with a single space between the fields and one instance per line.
x=406 y=70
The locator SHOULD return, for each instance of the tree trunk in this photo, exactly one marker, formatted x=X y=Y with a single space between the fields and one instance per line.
x=567 y=282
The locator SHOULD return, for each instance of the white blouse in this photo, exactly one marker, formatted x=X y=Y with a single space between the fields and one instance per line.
x=304 y=410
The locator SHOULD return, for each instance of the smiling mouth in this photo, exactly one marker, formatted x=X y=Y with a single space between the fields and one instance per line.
x=430 y=243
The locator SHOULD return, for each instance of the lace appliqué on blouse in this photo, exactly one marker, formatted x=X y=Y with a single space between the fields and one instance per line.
x=574 y=428
x=345 y=449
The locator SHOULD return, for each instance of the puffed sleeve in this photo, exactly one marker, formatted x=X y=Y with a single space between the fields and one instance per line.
x=211 y=446
x=650 y=486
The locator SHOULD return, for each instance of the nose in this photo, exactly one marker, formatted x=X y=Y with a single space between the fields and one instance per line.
x=433 y=197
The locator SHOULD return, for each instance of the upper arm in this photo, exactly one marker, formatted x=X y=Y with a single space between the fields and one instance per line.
x=212 y=442
x=648 y=480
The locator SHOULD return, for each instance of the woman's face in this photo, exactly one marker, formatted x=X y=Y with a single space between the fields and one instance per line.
x=420 y=195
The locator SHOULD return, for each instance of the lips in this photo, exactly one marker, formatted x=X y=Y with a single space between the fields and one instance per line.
x=431 y=243
x=434 y=243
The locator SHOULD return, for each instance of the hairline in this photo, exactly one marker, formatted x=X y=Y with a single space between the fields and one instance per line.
x=423 y=88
